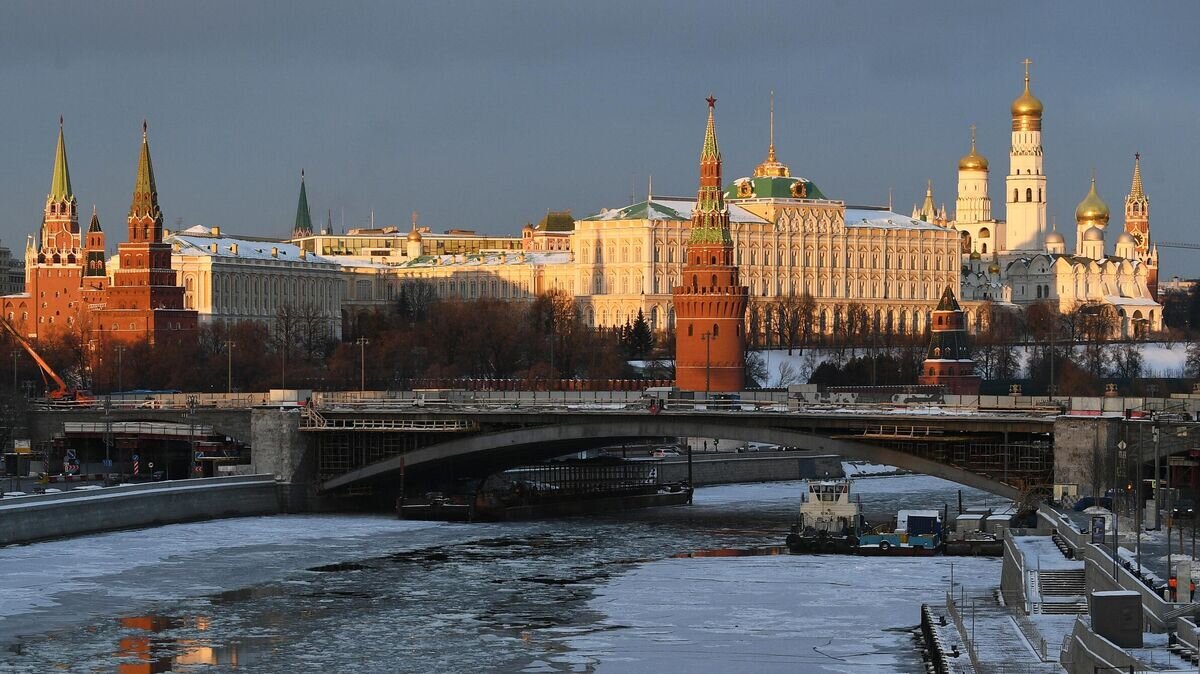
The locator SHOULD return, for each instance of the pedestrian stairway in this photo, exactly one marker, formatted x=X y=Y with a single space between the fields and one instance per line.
x=1057 y=592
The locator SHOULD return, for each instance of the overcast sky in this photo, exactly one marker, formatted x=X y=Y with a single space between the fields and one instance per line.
x=484 y=115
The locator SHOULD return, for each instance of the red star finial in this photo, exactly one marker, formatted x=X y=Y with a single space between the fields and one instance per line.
x=1137 y=155
x=711 y=101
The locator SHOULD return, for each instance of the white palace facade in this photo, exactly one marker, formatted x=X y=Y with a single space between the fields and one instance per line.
x=790 y=240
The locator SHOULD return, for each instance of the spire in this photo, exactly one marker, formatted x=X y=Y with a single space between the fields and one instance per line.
x=772 y=166
x=95 y=224
x=60 y=182
x=303 y=225
x=710 y=218
x=928 y=211
x=771 y=147
x=1135 y=191
x=145 y=194
x=710 y=151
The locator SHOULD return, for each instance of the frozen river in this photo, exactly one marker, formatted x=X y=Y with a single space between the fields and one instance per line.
x=649 y=591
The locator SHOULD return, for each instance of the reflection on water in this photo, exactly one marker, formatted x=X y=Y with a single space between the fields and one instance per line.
x=761 y=551
x=150 y=649
x=498 y=597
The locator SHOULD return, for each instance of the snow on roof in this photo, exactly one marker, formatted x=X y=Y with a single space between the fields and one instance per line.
x=669 y=208
x=880 y=218
x=1130 y=301
x=490 y=259
x=198 y=240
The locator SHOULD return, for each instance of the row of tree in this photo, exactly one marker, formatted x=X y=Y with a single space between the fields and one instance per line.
x=417 y=338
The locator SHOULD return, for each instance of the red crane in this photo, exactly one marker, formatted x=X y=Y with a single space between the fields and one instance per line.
x=60 y=392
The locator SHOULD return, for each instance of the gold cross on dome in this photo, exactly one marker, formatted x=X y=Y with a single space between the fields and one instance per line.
x=1027 y=63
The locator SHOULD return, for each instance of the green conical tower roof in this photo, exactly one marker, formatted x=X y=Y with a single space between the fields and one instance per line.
x=145 y=194
x=60 y=182
x=948 y=302
x=94 y=226
x=303 y=219
x=710 y=218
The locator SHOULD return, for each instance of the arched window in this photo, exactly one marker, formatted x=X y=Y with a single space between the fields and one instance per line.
x=714 y=280
x=715 y=330
x=1039 y=195
x=689 y=329
x=1028 y=194
x=1014 y=197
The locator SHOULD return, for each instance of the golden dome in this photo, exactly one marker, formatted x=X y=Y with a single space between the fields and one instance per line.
x=1027 y=109
x=1092 y=210
x=975 y=255
x=973 y=161
x=414 y=235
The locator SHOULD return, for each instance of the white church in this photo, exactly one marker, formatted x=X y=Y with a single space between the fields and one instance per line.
x=1018 y=261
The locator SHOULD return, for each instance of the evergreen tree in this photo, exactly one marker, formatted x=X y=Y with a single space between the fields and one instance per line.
x=639 y=337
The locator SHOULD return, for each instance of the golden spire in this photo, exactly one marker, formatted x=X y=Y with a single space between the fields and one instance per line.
x=1135 y=191
x=771 y=166
x=771 y=147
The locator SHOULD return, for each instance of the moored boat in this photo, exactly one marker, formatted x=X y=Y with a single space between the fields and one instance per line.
x=829 y=521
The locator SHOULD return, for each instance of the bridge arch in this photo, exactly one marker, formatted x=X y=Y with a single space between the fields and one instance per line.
x=490 y=452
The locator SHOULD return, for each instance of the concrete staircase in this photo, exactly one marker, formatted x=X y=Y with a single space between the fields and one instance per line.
x=1060 y=592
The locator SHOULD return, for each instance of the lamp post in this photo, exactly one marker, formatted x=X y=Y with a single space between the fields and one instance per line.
x=192 y=402
x=229 y=344
x=120 y=355
x=362 y=343
x=707 y=337
x=15 y=353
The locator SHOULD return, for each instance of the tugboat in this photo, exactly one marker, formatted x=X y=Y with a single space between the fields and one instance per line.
x=829 y=521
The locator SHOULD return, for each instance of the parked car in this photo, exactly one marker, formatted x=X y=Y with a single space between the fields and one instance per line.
x=664 y=452
x=1184 y=510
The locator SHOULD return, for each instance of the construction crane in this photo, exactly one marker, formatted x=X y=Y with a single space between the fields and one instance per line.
x=61 y=392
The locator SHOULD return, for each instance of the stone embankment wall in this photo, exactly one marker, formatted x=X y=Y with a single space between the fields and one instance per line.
x=45 y=516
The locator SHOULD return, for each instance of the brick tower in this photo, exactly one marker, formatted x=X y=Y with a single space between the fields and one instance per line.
x=144 y=300
x=948 y=362
x=1137 y=225
x=710 y=306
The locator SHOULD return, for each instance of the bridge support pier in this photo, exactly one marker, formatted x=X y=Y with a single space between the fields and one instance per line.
x=1084 y=451
x=280 y=449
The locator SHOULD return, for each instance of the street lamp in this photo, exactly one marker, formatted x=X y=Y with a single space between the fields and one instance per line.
x=120 y=354
x=229 y=344
x=15 y=353
x=362 y=343
x=707 y=337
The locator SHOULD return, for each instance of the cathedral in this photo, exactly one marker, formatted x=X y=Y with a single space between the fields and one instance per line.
x=1018 y=262
x=71 y=288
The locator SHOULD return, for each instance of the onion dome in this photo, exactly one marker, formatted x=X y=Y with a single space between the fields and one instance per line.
x=1126 y=238
x=1055 y=237
x=1027 y=109
x=1092 y=210
x=1093 y=234
x=414 y=235
x=973 y=161
x=975 y=255
x=994 y=267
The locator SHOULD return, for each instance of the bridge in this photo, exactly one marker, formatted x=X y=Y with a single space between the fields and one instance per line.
x=360 y=444
x=375 y=445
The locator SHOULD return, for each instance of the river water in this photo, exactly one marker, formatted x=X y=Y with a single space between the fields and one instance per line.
x=648 y=591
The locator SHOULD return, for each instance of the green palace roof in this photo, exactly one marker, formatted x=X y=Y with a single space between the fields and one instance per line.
x=773 y=187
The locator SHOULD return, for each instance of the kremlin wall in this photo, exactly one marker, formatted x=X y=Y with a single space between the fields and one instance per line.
x=719 y=268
